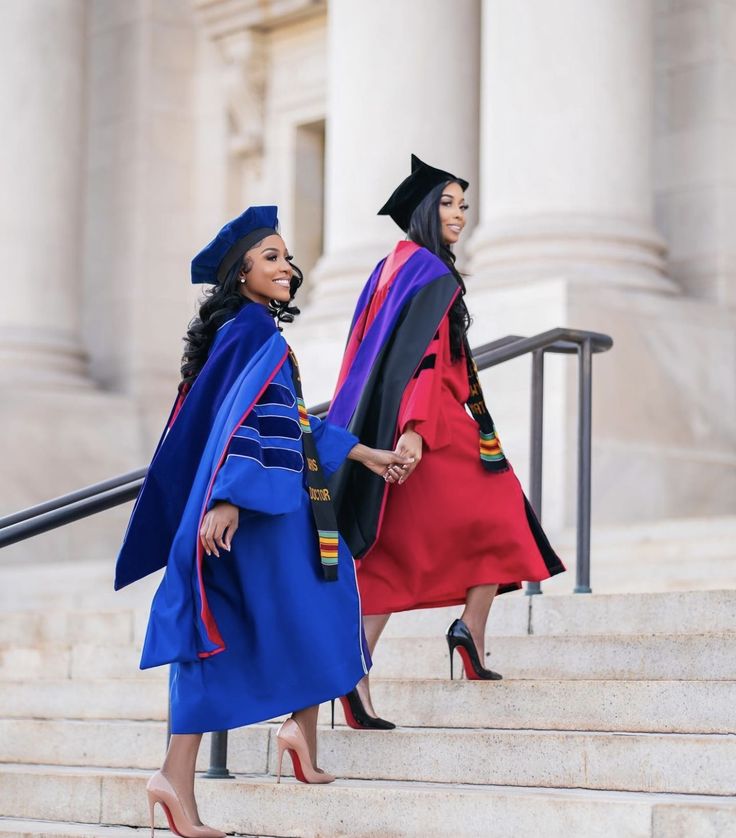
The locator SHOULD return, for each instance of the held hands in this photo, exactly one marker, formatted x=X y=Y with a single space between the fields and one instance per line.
x=218 y=527
x=387 y=464
x=221 y=522
x=410 y=446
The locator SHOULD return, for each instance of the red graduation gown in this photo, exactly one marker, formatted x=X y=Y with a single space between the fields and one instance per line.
x=452 y=525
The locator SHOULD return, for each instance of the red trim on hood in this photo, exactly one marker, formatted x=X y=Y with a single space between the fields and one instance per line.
x=394 y=262
x=213 y=633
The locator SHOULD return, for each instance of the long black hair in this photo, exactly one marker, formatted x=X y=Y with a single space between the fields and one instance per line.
x=425 y=229
x=219 y=305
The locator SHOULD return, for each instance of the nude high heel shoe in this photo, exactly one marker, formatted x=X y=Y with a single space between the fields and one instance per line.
x=160 y=790
x=290 y=738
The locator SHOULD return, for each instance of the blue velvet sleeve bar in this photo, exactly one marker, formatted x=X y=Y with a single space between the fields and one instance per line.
x=243 y=482
x=264 y=465
x=263 y=470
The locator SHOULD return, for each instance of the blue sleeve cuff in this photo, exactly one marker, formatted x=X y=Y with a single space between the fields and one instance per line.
x=333 y=444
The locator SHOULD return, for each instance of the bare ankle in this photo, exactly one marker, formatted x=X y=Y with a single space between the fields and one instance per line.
x=364 y=694
x=477 y=632
x=363 y=688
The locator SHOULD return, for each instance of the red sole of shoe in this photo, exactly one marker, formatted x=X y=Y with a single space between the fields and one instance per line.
x=172 y=825
x=298 y=773
x=470 y=673
x=349 y=717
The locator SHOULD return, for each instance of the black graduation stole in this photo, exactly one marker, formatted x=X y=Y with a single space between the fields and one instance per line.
x=319 y=494
x=491 y=453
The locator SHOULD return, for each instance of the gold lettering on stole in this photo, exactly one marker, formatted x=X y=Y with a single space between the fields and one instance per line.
x=319 y=494
x=312 y=464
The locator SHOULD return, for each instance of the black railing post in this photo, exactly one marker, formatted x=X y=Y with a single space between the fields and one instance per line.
x=218 y=757
x=585 y=420
x=536 y=446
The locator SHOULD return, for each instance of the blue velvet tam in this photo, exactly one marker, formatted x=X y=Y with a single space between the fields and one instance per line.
x=213 y=262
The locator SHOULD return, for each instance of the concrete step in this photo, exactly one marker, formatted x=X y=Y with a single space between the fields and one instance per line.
x=18 y=828
x=134 y=698
x=627 y=706
x=663 y=555
x=118 y=744
x=674 y=555
x=682 y=763
x=622 y=706
x=22 y=828
x=66 y=627
x=73 y=586
x=695 y=612
x=657 y=575
x=612 y=657
x=81 y=660
x=672 y=539
x=361 y=809
x=608 y=657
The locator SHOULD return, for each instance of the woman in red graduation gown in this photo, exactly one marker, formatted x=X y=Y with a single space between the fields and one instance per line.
x=461 y=529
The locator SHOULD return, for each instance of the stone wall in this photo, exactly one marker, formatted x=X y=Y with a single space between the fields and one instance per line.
x=598 y=141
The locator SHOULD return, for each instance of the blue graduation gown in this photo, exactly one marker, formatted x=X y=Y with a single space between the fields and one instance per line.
x=257 y=632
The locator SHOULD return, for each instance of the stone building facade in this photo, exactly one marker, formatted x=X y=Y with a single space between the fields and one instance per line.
x=598 y=137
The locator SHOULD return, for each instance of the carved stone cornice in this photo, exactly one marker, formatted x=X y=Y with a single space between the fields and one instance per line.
x=221 y=18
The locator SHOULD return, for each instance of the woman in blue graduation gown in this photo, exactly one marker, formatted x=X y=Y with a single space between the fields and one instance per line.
x=258 y=612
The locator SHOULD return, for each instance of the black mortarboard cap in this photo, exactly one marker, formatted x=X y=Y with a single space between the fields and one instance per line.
x=413 y=190
x=237 y=237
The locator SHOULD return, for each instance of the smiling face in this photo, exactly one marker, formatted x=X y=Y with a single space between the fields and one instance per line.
x=452 y=213
x=267 y=272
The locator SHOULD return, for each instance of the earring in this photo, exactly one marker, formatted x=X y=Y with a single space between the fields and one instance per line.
x=242 y=280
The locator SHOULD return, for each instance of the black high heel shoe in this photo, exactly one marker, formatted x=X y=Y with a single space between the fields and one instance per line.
x=459 y=637
x=356 y=715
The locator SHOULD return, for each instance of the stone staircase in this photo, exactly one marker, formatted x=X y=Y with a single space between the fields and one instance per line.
x=683 y=554
x=616 y=718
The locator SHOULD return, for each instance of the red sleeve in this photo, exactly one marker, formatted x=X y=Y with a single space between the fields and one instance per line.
x=421 y=403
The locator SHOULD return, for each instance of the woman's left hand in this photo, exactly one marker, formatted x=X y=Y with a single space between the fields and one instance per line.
x=218 y=527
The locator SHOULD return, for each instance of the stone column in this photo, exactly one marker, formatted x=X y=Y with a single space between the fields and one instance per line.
x=402 y=78
x=566 y=137
x=59 y=431
x=566 y=238
x=140 y=200
x=42 y=47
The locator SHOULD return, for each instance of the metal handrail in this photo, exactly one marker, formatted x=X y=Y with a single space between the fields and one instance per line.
x=73 y=497
x=125 y=487
x=109 y=493
x=61 y=511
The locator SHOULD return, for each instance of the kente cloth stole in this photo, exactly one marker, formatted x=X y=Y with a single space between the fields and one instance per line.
x=491 y=453
x=319 y=494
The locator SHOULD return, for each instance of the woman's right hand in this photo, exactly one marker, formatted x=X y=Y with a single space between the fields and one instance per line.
x=410 y=445
x=218 y=527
